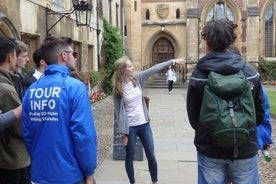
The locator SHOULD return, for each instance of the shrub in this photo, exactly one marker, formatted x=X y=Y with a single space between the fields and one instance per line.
x=267 y=70
x=96 y=78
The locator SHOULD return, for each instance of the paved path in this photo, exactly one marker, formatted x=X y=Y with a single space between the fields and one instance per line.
x=173 y=136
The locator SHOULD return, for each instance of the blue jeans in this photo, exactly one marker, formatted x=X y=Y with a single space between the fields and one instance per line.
x=215 y=171
x=145 y=134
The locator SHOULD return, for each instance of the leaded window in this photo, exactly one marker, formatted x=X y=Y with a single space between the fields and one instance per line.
x=269 y=32
x=220 y=10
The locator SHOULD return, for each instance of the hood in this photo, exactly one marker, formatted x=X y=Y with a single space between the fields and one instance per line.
x=221 y=62
x=56 y=68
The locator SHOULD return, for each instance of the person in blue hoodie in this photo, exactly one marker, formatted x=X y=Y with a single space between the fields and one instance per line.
x=57 y=121
x=264 y=129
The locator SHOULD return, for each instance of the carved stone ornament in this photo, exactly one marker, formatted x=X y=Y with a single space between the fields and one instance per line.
x=162 y=10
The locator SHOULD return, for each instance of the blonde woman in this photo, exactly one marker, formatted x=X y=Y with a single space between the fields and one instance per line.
x=131 y=114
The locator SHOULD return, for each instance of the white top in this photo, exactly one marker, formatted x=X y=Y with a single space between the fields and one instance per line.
x=133 y=104
x=37 y=74
x=170 y=73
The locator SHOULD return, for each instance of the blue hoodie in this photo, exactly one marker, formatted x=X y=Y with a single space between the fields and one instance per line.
x=58 y=128
x=264 y=129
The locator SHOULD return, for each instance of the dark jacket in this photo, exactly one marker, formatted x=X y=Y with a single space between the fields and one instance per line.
x=19 y=85
x=223 y=63
x=13 y=153
x=29 y=80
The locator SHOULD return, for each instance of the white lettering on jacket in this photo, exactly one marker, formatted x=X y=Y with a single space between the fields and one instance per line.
x=44 y=97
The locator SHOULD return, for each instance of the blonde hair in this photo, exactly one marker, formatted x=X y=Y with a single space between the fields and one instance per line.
x=119 y=77
x=21 y=47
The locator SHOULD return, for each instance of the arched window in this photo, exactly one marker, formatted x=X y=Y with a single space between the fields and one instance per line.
x=220 y=10
x=147 y=14
x=135 y=6
x=177 y=13
x=270 y=31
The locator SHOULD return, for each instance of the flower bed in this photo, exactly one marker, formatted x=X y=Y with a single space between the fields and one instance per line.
x=96 y=96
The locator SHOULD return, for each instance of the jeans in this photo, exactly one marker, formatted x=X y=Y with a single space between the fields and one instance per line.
x=240 y=171
x=145 y=134
x=15 y=176
x=170 y=85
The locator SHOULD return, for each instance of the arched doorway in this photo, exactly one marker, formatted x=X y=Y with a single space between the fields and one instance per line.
x=162 y=50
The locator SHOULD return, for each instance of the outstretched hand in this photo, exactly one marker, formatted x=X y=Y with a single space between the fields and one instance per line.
x=180 y=60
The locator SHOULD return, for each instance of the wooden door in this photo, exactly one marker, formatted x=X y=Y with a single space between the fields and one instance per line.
x=162 y=51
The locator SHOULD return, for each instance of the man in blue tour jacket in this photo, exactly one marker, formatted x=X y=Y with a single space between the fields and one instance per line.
x=58 y=125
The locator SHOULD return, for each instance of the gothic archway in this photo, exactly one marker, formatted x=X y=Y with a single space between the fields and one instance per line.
x=7 y=28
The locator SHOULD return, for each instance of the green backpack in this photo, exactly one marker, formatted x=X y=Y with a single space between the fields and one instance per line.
x=228 y=109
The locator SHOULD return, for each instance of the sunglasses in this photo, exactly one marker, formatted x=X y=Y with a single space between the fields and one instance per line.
x=74 y=53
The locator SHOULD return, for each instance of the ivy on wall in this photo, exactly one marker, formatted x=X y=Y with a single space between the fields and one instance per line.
x=113 y=47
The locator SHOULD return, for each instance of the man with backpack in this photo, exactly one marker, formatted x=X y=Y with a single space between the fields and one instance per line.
x=225 y=105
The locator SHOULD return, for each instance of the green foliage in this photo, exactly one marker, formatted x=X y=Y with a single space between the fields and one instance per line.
x=26 y=71
x=267 y=70
x=95 y=78
x=113 y=46
x=272 y=101
x=82 y=76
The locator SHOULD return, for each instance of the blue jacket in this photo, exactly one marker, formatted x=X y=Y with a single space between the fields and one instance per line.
x=58 y=128
x=264 y=129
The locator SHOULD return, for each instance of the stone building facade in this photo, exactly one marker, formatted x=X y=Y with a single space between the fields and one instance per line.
x=152 y=30
x=28 y=21
x=157 y=30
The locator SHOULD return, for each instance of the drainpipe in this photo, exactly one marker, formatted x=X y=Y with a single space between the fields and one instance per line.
x=123 y=24
x=98 y=35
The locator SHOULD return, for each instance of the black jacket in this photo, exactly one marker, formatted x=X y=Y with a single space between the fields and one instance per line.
x=223 y=63
x=29 y=80
x=19 y=85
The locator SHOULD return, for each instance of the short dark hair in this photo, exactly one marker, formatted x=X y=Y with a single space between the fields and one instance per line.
x=37 y=56
x=53 y=47
x=7 y=45
x=219 y=34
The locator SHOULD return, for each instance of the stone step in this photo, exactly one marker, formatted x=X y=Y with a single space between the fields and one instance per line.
x=159 y=81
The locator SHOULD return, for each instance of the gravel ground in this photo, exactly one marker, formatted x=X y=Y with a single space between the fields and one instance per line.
x=103 y=116
x=267 y=170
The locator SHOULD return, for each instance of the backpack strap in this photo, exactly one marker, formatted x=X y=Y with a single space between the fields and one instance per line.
x=234 y=123
x=232 y=114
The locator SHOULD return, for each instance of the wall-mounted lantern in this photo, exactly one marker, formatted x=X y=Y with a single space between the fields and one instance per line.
x=162 y=27
x=83 y=14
